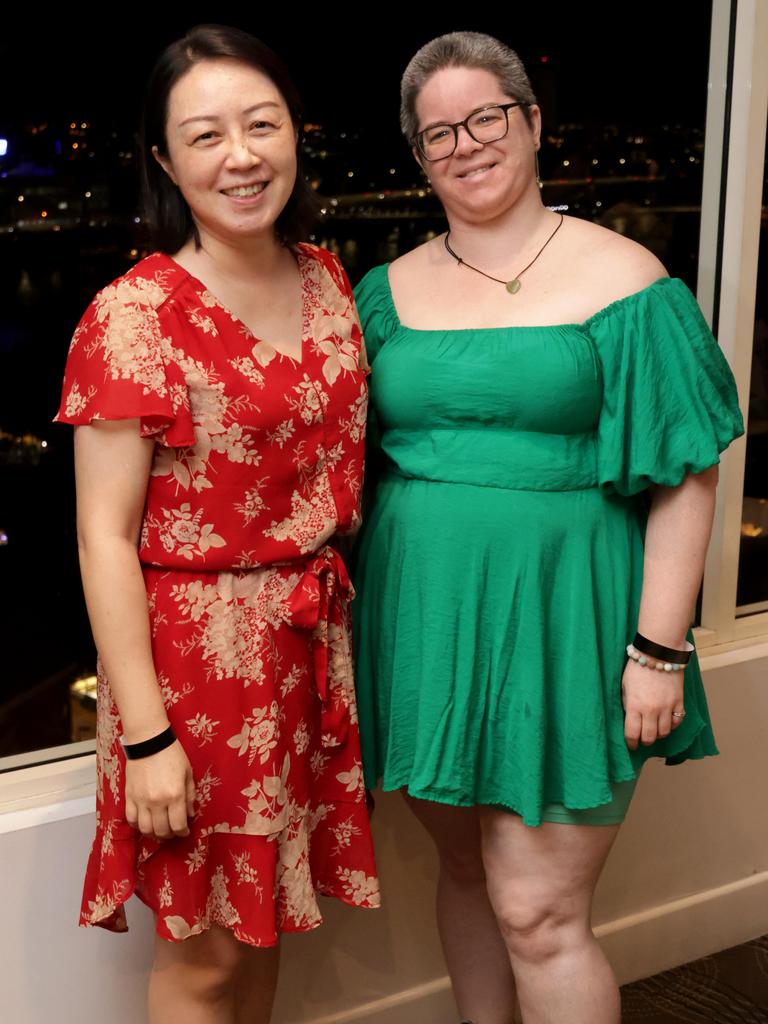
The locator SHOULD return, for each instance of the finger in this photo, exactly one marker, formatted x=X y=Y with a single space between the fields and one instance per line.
x=177 y=818
x=633 y=724
x=131 y=814
x=650 y=730
x=665 y=723
x=191 y=796
x=678 y=719
x=160 y=824
x=145 y=821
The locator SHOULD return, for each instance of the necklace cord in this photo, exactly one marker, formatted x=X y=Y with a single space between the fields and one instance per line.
x=490 y=277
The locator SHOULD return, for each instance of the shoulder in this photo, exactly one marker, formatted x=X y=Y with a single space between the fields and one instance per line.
x=417 y=262
x=149 y=284
x=126 y=315
x=327 y=265
x=611 y=266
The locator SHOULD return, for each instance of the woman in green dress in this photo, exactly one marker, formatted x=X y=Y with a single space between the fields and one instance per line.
x=548 y=412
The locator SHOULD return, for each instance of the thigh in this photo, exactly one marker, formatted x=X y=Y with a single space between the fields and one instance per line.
x=553 y=864
x=452 y=829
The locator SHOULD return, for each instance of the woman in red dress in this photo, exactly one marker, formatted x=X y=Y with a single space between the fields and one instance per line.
x=220 y=396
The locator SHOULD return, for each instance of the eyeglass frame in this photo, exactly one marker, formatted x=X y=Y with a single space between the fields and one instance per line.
x=506 y=107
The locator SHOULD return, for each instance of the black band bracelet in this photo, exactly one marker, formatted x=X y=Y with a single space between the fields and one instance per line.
x=669 y=654
x=135 y=751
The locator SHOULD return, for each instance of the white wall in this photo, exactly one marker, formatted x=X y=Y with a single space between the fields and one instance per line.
x=689 y=875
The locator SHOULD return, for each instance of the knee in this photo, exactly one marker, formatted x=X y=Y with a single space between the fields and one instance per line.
x=207 y=966
x=537 y=930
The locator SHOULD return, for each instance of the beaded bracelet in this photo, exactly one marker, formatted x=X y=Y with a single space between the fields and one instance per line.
x=641 y=659
x=136 y=751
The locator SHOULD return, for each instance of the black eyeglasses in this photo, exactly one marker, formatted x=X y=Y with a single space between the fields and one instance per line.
x=488 y=124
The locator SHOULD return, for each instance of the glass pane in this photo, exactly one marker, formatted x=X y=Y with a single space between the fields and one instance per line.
x=752 y=593
x=621 y=145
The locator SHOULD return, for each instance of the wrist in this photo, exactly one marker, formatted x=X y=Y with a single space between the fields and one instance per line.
x=140 y=731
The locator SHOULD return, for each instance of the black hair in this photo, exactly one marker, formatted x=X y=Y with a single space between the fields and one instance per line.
x=164 y=209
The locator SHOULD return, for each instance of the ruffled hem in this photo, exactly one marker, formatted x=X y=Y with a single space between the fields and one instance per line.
x=387 y=781
x=257 y=886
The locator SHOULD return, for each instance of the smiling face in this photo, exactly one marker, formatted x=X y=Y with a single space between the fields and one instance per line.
x=480 y=181
x=231 y=149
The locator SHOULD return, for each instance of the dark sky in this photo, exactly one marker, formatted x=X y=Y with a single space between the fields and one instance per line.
x=347 y=60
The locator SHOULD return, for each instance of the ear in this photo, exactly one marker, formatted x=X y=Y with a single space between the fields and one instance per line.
x=535 y=112
x=419 y=159
x=165 y=163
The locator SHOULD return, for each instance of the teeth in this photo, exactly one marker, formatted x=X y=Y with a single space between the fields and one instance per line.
x=243 y=191
x=477 y=170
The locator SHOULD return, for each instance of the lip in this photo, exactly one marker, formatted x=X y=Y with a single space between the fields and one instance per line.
x=469 y=173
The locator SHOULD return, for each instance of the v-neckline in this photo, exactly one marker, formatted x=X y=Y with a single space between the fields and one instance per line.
x=200 y=286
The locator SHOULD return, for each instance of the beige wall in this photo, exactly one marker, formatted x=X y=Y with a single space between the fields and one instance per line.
x=689 y=875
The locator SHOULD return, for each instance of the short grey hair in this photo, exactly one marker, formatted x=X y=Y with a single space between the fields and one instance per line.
x=462 y=50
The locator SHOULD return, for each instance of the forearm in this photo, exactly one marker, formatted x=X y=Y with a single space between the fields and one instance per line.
x=117 y=608
x=676 y=540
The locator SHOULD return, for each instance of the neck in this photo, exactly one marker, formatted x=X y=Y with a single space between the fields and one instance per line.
x=253 y=257
x=504 y=239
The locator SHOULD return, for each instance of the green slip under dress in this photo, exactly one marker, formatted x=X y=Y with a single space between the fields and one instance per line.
x=499 y=571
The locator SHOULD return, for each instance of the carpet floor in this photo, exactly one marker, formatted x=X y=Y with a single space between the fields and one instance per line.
x=727 y=988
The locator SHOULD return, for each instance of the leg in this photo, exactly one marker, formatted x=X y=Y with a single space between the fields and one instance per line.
x=540 y=882
x=256 y=983
x=200 y=980
x=475 y=953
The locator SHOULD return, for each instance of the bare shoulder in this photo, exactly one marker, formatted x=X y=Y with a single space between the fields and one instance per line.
x=416 y=262
x=614 y=266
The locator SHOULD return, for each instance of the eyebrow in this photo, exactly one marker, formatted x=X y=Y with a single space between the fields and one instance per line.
x=214 y=117
x=475 y=110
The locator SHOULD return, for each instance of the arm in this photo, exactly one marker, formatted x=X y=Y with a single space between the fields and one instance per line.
x=676 y=540
x=112 y=465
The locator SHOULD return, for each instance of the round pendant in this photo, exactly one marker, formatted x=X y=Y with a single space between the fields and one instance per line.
x=513 y=287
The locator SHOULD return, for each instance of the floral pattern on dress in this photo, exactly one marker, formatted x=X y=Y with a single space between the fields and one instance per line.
x=257 y=463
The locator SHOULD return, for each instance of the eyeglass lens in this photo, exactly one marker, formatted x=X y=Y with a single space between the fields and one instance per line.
x=487 y=125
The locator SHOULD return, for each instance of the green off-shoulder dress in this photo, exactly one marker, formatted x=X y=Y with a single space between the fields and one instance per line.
x=499 y=572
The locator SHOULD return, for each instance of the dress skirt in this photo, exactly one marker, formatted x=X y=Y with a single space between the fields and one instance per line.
x=255 y=673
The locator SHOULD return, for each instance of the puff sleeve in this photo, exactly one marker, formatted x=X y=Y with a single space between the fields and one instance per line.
x=377 y=314
x=120 y=366
x=669 y=398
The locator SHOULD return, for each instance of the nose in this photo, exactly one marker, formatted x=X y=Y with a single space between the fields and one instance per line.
x=240 y=152
x=465 y=144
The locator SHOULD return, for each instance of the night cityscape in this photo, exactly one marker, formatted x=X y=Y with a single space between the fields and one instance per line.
x=70 y=223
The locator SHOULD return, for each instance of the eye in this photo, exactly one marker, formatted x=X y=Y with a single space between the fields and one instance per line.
x=205 y=137
x=262 y=127
x=438 y=133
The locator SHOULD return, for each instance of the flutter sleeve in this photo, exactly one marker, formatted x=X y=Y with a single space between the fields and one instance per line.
x=669 y=398
x=120 y=366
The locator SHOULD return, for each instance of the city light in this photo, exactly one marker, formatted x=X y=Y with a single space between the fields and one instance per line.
x=3 y=147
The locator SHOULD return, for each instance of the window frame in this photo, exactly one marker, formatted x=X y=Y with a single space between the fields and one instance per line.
x=729 y=244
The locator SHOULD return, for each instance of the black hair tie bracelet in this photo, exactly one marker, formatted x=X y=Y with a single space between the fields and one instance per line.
x=135 y=751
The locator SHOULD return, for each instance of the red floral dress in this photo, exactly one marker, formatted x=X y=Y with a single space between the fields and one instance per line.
x=258 y=462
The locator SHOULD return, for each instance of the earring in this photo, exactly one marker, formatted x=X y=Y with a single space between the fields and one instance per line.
x=539 y=182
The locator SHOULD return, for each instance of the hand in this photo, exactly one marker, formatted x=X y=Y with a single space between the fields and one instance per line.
x=649 y=698
x=160 y=793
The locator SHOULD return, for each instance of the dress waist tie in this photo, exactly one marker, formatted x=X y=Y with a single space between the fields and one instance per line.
x=317 y=602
